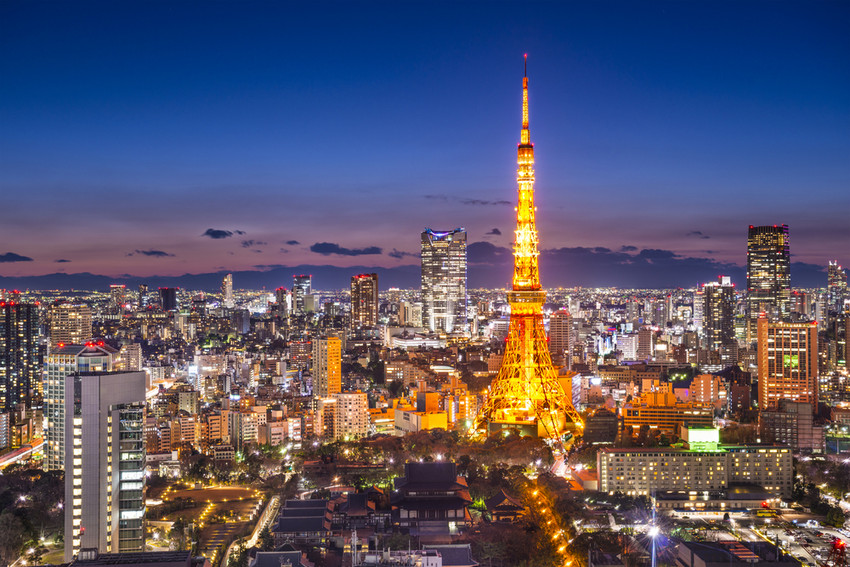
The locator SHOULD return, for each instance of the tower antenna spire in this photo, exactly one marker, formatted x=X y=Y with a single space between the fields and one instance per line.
x=525 y=68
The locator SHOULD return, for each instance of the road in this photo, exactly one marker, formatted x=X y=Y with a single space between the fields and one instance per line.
x=268 y=516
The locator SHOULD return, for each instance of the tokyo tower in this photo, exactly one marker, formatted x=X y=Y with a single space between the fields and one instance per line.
x=526 y=396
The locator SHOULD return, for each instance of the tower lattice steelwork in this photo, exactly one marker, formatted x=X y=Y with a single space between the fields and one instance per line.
x=526 y=395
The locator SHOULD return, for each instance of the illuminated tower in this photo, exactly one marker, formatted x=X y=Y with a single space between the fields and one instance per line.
x=526 y=396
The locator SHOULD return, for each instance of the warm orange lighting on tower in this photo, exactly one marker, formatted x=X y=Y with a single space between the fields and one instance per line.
x=526 y=395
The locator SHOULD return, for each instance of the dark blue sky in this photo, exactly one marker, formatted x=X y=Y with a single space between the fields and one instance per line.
x=317 y=133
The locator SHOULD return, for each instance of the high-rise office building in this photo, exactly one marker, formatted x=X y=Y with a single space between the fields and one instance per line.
x=283 y=302
x=646 y=343
x=409 y=314
x=227 y=291
x=327 y=366
x=119 y=296
x=560 y=338
x=444 y=280
x=20 y=369
x=63 y=361
x=768 y=274
x=836 y=289
x=104 y=462
x=787 y=363
x=168 y=298
x=302 y=286
x=719 y=313
x=69 y=324
x=143 y=296
x=364 y=300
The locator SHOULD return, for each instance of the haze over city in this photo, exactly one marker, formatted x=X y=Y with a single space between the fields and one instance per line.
x=159 y=139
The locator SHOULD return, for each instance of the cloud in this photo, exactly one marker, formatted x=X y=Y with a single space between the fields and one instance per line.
x=218 y=234
x=12 y=257
x=61 y=261
x=494 y=231
x=400 y=254
x=483 y=202
x=465 y=201
x=487 y=253
x=250 y=243
x=628 y=267
x=267 y=267
x=328 y=248
x=152 y=253
x=293 y=242
x=698 y=233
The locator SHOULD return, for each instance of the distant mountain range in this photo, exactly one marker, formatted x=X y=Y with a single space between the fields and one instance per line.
x=490 y=268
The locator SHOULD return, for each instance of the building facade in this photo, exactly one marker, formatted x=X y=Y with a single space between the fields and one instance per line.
x=703 y=466
x=19 y=357
x=302 y=287
x=69 y=324
x=351 y=418
x=787 y=363
x=444 y=280
x=364 y=301
x=104 y=462
x=560 y=338
x=768 y=274
x=719 y=313
x=327 y=366
x=227 y=291
x=62 y=362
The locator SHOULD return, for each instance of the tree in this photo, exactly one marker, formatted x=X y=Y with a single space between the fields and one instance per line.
x=266 y=540
x=239 y=556
x=11 y=537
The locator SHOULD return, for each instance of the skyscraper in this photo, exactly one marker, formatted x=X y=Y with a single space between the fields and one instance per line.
x=787 y=363
x=19 y=364
x=560 y=338
x=444 y=280
x=105 y=462
x=168 y=298
x=143 y=296
x=768 y=274
x=69 y=324
x=327 y=366
x=836 y=287
x=119 y=296
x=302 y=286
x=526 y=395
x=63 y=361
x=364 y=300
x=227 y=291
x=719 y=313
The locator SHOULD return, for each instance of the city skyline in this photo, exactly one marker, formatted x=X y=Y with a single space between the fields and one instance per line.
x=277 y=147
